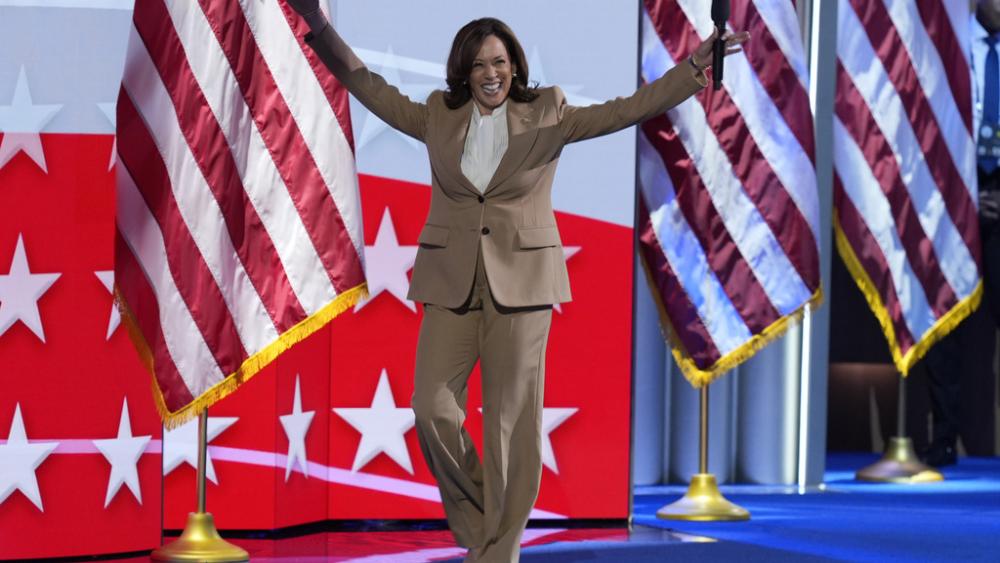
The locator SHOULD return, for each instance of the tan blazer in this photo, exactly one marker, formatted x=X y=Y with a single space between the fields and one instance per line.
x=512 y=220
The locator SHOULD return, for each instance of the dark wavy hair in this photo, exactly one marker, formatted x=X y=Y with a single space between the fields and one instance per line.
x=463 y=53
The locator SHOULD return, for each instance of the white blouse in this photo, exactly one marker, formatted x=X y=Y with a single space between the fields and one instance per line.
x=485 y=145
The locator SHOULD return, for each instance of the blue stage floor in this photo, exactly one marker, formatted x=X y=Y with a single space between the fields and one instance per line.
x=956 y=520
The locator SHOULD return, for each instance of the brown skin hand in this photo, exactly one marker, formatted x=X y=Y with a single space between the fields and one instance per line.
x=703 y=53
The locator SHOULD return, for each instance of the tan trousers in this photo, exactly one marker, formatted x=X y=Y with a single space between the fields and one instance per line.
x=488 y=503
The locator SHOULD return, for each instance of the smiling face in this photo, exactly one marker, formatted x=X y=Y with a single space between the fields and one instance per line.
x=491 y=75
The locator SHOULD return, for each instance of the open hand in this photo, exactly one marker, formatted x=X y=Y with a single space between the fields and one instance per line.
x=702 y=55
x=989 y=205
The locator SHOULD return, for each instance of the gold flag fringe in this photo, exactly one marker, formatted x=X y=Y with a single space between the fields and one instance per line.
x=944 y=325
x=250 y=367
x=699 y=377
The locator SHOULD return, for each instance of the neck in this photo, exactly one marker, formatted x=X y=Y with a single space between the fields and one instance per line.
x=483 y=110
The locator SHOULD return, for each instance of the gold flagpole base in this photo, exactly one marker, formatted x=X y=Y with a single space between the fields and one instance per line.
x=703 y=503
x=200 y=541
x=899 y=464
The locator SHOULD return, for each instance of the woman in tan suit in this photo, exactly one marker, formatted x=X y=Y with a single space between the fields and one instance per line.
x=490 y=263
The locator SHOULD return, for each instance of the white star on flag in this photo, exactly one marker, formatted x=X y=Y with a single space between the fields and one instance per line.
x=417 y=91
x=180 y=445
x=296 y=426
x=109 y=110
x=20 y=291
x=107 y=278
x=551 y=419
x=21 y=122
x=383 y=427
x=19 y=460
x=568 y=252
x=123 y=453
x=387 y=263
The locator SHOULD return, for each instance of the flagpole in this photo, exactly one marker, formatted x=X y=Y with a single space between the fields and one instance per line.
x=703 y=501
x=901 y=408
x=200 y=540
x=703 y=431
x=899 y=463
x=202 y=459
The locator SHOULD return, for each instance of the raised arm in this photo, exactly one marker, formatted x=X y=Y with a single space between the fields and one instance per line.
x=381 y=98
x=578 y=123
x=675 y=86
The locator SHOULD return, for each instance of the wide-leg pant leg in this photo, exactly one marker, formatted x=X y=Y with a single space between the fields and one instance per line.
x=512 y=360
x=447 y=350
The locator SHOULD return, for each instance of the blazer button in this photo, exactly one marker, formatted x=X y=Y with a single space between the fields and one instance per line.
x=486 y=230
x=481 y=199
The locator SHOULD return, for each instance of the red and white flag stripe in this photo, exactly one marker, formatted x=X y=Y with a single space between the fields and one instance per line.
x=238 y=224
x=729 y=215
x=905 y=161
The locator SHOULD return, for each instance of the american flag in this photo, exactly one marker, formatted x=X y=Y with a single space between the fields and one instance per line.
x=238 y=217
x=905 y=161
x=728 y=209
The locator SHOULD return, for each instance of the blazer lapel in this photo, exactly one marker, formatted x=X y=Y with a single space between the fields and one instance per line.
x=522 y=129
x=454 y=144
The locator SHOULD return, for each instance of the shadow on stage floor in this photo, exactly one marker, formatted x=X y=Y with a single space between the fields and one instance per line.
x=956 y=520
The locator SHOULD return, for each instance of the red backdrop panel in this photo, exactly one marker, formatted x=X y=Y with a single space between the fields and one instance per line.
x=71 y=386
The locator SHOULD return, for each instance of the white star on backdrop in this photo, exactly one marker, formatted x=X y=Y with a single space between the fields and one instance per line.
x=180 y=445
x=568 y=252
x=296 y=426
x=109 y=111
x=20 y=291
x=383 y=427
x=19 y=460
x=107 y=278
x=386 y=265
x=552 y=417
x=123 y=453
x=417 y=91
x=21 y=122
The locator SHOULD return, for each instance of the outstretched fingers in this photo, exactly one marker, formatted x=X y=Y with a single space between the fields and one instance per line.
x=735 y=41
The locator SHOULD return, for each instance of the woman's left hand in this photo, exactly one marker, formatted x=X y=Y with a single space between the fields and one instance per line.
x=702 y=56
